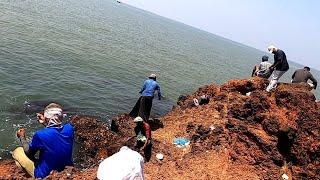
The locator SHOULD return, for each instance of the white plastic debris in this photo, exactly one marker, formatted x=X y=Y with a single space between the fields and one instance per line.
x=248 y=93
x=196 y=102
x=285 y=177
x=212 y=127
x=159 y=156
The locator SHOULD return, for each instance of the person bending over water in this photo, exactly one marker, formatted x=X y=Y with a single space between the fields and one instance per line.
x=144 y=104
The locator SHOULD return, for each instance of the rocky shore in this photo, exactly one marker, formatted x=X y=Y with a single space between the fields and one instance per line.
x=243 y=132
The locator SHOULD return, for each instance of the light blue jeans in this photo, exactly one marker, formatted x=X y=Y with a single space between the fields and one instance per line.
x=275 y=76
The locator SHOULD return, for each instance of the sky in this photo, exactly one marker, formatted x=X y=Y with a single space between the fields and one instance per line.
x=291 y=25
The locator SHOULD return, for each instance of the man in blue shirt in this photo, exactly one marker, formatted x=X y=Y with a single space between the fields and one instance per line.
x=54 y=144
x=144 y=104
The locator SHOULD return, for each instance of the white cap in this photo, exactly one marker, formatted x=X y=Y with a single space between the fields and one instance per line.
x=271 y=48
x=138 y=119
x=152 y=76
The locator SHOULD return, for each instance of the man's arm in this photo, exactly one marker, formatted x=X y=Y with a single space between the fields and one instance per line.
x=253 y=71
x=24 y=143
x=143 y=87
x=148 y=134
x=275 y=64
x=278 y=59
x=293 y=75
x=159 y=92
x=314 y=81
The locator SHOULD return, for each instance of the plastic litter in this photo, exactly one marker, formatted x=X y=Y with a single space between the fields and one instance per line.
x=248 y=93
x=181 y=142
x=196 y=102
x=285 y=177
x=159 y=156
x=212 y=127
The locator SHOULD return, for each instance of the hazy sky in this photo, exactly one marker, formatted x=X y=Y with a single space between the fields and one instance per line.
x=292 y=25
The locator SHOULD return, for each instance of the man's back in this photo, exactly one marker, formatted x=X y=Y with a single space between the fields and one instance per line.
x=301 y=75
x=149 y=87
x=55 y=146
x=264 y=65
x=280 y=57
x=264 y=70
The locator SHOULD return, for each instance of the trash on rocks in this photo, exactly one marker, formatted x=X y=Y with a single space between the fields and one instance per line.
x=181 y=142
x=196 y=102
x=248 y=93
x=212 y=127
x=159 y=156
x=285 y=177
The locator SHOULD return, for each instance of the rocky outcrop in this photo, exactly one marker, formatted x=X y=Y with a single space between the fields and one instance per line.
x=243 y=132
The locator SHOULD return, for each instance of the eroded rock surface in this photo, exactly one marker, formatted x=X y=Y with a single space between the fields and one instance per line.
x=243 y=132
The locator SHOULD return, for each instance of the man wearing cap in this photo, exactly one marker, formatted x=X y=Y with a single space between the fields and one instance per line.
x=263 y=69
x=143 y=135
x=279 y=67
x=144 y=104
x=54 y=144
x=303 y=75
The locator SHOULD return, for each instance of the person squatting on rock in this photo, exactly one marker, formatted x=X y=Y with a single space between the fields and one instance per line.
x=303 y=75
x=279 y=67
x=54 y=144
x=143 y=135
x=263 y=69
x=144 y=104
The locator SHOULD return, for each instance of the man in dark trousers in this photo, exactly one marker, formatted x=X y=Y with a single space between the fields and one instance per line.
x=144 y=104
x=279 y=67
x=303 y=75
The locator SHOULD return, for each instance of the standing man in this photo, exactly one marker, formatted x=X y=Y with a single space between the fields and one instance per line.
x=54 y=144
x=279 y=67
x=144 y=104
x=303 y=75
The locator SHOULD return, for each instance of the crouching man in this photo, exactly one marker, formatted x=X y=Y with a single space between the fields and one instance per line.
x=143 y=137
x=54 y=144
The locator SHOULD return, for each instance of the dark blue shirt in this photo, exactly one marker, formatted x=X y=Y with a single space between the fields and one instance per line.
x=281 y=59
x=149 y=87
x=55 y=146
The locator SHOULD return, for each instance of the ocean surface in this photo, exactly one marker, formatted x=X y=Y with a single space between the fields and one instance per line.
x=93 y=56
